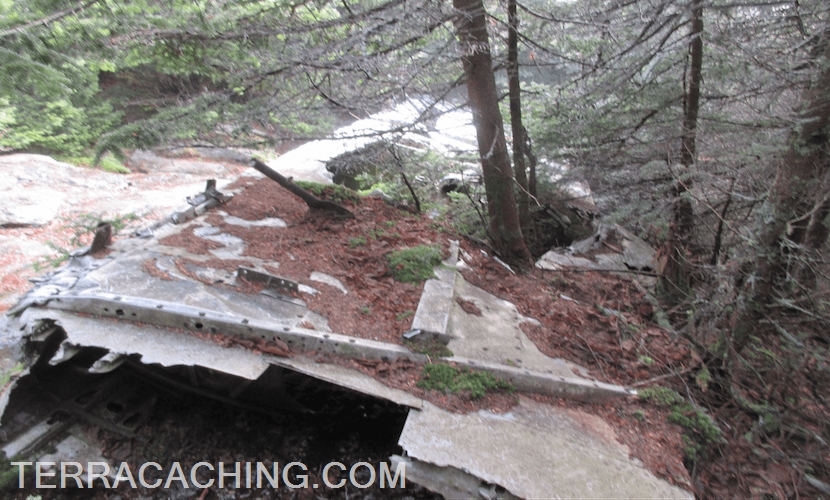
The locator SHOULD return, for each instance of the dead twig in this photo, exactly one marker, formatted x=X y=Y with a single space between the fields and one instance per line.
x=661 y=377
x=594 y=354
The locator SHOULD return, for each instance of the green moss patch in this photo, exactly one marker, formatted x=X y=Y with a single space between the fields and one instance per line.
x=331 y=192
x=430 y=347
x=414 y=265
x=446 y=378
x=701 y=429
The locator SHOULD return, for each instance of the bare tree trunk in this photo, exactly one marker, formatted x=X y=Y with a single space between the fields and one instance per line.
x=516 y=111
x=675 y=275
x=309 y=199
x=532 y=161
x=796 y=189
x=817 y=230
x=505 y=229
x=684 y=214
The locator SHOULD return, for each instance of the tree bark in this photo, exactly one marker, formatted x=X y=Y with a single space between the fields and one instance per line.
x=514 y=89
x=504 y=227
x=532 y=162
x=684 y=213
x=675 y=275
x=796 y=189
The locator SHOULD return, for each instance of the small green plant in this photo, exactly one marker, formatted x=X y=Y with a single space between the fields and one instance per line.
x=51 y=261
x=703 y=378
x=639 y=415
x=429 y=347
x=9 y=474
x=7 y=375
x=646 y=360
x=414 y=265
x=365 y=310
x=357 y=241
x=701 y=429
x=402 y=316
x=446 y=378
x=466 y=213
x=661 y=396
x=559 y=281
x=390 y=224
x=333 y=192
x=83 y=226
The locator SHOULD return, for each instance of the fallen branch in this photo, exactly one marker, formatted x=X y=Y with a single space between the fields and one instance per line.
x=309 y=199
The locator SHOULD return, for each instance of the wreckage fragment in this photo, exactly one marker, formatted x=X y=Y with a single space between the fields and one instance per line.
x=100 y=324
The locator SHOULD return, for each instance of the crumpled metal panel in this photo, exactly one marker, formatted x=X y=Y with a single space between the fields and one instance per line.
x=533 y=451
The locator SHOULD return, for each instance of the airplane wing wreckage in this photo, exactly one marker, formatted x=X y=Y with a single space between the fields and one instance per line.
x=183 y=347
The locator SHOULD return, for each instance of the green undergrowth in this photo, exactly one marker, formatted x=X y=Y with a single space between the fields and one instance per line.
x=414 y=265
x=446 y=378
x=7 y=375
x=9 y=474
x=331 y=192
x=374 y=234
x=430 y=347
x=402 y=316
x=357 y=241
x=108 y=163
x=701 y=431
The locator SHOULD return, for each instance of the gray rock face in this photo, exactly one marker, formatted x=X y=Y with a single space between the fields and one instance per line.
x=37 y=191
x=30 y=189
x=148 y=161
x=34 y=207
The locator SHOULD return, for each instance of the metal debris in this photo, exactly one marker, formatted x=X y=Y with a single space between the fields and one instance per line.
x=270 y=280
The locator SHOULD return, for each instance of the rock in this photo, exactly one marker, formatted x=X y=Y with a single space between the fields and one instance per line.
x=458 y=182
x=32 y=207
x=149 y=161
x=450 y=183
x=377 y=193
x=368 y=159
x=212 y=153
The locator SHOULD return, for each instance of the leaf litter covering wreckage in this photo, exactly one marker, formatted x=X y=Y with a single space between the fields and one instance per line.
x=148 y=352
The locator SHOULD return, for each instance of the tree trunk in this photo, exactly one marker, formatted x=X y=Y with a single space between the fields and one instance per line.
x=684 y=214
x=675 y=275
x=514 y=89
x=309 y=199
x=504 y=227
x=795 y=191
x=532 y=161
